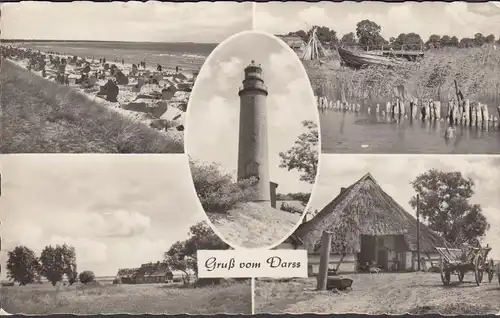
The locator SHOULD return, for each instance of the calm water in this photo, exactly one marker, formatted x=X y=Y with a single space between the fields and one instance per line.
x=347 y=132
x=188 y=56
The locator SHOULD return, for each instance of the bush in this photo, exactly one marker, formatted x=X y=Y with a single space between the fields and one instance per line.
x=86 y=277
x=216 y=190
x=117 y=281
x=290 y=208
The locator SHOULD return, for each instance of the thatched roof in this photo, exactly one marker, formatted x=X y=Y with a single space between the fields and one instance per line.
x=364 y=208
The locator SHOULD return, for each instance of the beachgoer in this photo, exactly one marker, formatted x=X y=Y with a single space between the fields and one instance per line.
x=123 y=61
x=177 y=69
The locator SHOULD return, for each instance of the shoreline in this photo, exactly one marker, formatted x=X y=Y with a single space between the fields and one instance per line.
x=138 y=98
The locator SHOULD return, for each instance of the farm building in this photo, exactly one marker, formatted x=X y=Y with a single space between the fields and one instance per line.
x=294 y=42
x=148 y=273
x=368 y=226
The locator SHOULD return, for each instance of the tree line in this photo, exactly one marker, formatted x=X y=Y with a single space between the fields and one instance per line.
x=54 y=263
x=367 y=36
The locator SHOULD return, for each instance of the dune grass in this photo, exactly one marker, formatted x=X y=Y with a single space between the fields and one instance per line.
x=40 y=116
x=476 y=71
x=254 y=224
x=44 y=299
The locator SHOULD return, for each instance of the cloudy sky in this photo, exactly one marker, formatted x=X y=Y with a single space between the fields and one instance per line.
x=212 y=122
x=458 y=18
x=394 y=174
x=202 y=22
x=118 y=211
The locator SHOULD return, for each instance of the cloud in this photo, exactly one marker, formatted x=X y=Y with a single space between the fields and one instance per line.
x=114 y=205
x=130 y=21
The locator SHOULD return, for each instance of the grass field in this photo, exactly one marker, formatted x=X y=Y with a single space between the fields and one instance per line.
x=39 y=116
x=377 y=294
x=233 y=298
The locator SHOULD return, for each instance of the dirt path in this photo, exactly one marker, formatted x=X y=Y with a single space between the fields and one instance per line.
x=418 y=293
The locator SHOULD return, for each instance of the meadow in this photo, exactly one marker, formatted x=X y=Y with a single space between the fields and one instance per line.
x=40 y=116
x=106 y=298
x=475 y=70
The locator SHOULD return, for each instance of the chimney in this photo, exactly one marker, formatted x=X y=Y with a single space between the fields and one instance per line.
x=342 y=190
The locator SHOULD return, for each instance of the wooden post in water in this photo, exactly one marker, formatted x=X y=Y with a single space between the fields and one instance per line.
x=326 y=246
x=418 y=231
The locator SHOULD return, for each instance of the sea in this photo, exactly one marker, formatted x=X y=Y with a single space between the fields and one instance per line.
x=187 y=56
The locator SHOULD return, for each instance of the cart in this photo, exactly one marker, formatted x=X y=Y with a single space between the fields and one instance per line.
x=458 y=262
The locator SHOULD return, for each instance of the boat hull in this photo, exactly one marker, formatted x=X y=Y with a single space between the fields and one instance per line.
x=358 y=60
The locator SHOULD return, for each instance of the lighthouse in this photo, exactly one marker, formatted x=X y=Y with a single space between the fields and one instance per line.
x=253 y=158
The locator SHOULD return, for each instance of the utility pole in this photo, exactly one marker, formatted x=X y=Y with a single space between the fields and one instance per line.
x=418 y=232
x=326 y=246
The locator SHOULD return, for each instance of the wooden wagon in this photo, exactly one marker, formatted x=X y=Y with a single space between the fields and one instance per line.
x=458 y=262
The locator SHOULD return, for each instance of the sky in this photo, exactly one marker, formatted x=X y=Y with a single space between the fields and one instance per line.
x=458 y=18
x=201 y=22
x=212 y=122
x=118 y=211
x=395 y=172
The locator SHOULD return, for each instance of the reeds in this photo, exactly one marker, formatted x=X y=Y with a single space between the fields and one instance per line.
x=476 y=71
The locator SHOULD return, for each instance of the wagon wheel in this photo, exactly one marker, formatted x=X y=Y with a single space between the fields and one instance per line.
x=479 y=268
x=445 y=274
x=491 y=270
x=461 y=275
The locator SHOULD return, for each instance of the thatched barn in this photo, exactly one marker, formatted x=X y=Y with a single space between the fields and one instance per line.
x=369 y=227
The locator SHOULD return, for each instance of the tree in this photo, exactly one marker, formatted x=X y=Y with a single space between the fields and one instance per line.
x=22 y=265
x=303 y=156
x=479 y=39
x=490 y=39
x=69 y=259
x=467 y=43
x=434 y=42
x=325 y=35
x=349 y=39
x=368 y=33
x=301 y=33
x=182 y=254
x=453 y=41
x=57 y=262
x=86 y=277
x=444 y=204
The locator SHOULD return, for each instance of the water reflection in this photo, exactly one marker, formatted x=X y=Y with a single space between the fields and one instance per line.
x=355 y=130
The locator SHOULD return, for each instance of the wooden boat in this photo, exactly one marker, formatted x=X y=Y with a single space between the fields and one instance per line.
x=360 y=59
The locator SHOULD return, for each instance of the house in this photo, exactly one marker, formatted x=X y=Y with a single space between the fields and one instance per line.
x=368 y=226
x=148 y=273
x=293 y=41
x=151 y=273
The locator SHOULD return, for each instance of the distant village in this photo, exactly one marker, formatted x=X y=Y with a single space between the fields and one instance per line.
x=150 y=273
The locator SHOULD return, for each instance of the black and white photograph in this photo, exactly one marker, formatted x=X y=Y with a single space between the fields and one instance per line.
x=115 y=77
x=252 y=139
x=396 y=235
x=404 y=78
x=100 y=234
